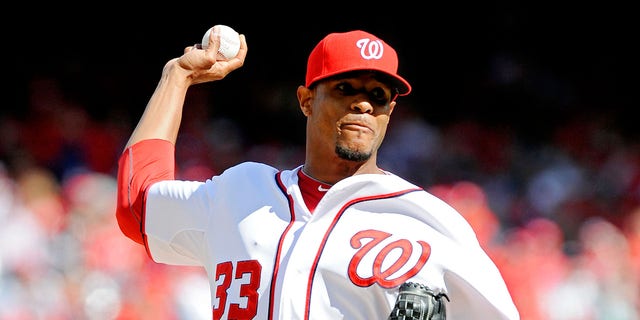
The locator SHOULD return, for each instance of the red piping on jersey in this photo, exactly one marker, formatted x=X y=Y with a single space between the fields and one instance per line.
x=333 y=224
x=276 y=262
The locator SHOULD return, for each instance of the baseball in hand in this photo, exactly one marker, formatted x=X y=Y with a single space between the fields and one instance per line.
x=229 y=42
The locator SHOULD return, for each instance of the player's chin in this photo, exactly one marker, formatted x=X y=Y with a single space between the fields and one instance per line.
x=352 y=153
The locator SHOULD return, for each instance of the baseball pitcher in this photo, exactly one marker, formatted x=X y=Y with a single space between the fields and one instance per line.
x=336 y=237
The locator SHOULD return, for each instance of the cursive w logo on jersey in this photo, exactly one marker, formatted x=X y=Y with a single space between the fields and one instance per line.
x=375 y=247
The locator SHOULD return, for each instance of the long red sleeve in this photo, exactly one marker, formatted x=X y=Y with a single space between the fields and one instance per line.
x=139 y=166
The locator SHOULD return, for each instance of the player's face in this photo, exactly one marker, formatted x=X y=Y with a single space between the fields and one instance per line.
x=351 y=114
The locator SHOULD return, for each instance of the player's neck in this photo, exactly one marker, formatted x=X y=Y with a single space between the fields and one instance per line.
x=307 y=174
x=333 y=169
x=340 y=169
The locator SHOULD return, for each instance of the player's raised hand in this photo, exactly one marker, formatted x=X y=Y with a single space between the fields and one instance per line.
x=206 y=65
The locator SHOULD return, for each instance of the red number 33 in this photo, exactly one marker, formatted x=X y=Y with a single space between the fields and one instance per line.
x=247 y=290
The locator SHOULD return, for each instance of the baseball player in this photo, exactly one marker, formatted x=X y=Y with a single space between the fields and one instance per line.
x=336 y=237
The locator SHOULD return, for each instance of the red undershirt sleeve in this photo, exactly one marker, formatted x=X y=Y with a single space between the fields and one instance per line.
x=139 y=166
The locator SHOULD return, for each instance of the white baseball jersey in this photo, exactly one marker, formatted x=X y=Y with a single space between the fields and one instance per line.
x=268 y=257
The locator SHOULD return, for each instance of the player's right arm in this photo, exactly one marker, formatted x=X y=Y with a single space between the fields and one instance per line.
x=162 y=116
x=149 y=154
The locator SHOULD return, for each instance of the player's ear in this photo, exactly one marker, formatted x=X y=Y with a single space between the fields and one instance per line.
x=305 y=96
x=392 y=106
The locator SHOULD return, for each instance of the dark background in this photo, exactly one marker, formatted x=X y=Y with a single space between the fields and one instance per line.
x=530 y=66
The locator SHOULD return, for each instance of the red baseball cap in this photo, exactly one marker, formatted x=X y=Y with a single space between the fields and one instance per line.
x=351 y=51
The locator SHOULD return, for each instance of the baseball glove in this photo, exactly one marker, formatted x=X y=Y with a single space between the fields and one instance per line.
x=418 y=302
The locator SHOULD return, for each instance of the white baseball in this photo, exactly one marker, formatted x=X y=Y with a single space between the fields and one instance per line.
x=229 y=42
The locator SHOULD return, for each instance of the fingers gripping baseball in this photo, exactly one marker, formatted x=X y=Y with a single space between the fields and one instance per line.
x=205 y=62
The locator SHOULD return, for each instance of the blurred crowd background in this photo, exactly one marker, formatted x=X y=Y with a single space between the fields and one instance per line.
x=522 y=118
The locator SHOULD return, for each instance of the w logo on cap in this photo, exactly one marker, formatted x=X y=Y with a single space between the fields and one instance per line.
x=370 y=49
x=336 y=54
